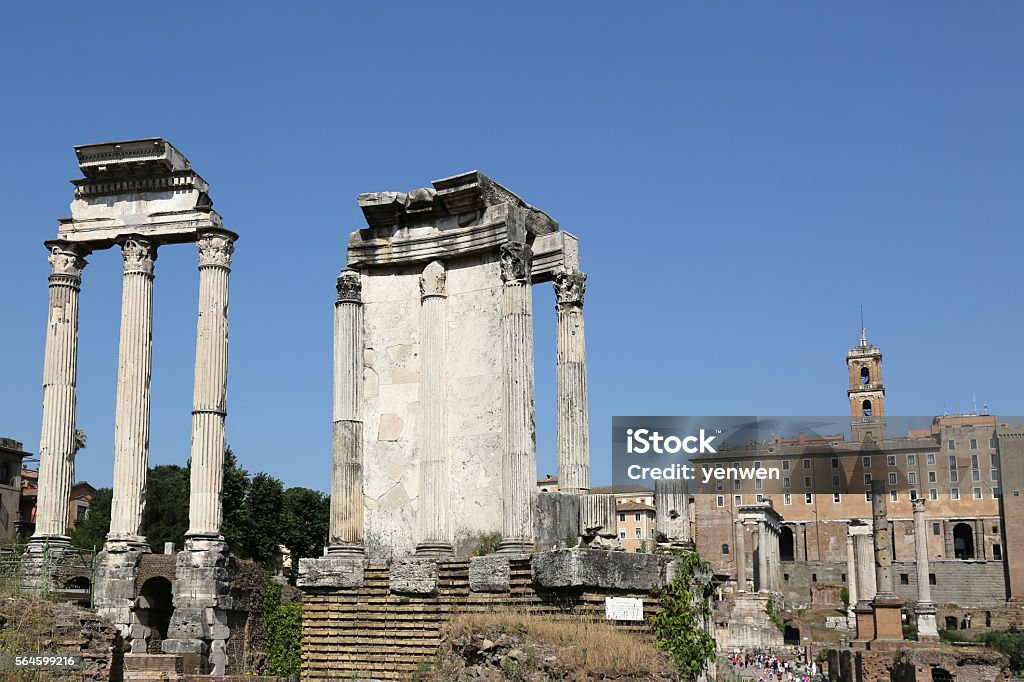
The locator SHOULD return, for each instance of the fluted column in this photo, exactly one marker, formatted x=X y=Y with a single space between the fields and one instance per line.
x=571 y=377
x=762 y=557
x=346 y=527
x=851 y=573
x=131 y=422
x=924 y=610
x=741 y=556
x=672 y=516
x=519 y=459
x=210 y=392
x=60 y=368
x=435 y=527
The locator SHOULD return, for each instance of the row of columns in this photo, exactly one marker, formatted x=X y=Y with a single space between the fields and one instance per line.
x=132 y=414
x=768 y=577
x=519 y=454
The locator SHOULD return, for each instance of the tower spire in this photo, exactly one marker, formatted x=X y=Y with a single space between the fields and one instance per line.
x=863 y=331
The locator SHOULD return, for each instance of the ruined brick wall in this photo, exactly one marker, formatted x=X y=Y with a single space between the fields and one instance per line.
x=371 y=631
x=246 y=647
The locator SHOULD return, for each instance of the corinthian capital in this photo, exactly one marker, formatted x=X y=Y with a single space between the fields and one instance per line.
x=215 y=250
x=516 y=261
x=432 y=281
x=570 y=285
x=918 y=504
x=350 y=286
x=66 y=261
x=139 y=255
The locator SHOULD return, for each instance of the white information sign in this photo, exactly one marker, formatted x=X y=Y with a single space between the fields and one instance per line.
x=623 y=608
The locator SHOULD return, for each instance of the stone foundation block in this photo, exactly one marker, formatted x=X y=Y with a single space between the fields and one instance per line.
x=183 y=646
x=489 y=573
x=597 y=568
x=556 y=520
x=414 y=576
x=331 y=572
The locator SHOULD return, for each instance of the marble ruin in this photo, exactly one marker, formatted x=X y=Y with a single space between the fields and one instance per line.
x=140 y=196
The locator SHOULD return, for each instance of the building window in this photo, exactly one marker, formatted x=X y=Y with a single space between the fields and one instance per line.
x=951 y=445
x=997 y=552
x=638 y=533
x=912 y=460
x=930 y=458
x=904 y=578
x=893 y=478
x=807 y=481
x=835 y=462
x=867 y=496
x=837 y=498
x=994 y=457
x=808 y=498
x=894 y=496
x=737 y=485
x=835 y=480
x=786 y=482
x=622 y=534
x=785 y=465
x=807 y=464
x=954 y=476
x=865 y=376
x=996 y=493
x=719 y=486
x=738 y=500
x=866 y=408
x=994 y=474
x=787 y=498
x=636 y=516
x=936 y=528
x=933 y=477
x=975 y=475
x=931 y=579
x=867 y=479
x=759 y=498
x=992 y=443
x=758 y=484
x=952 y=461
x=866 y=461
x=725 y=549
x=933 y=494
x=912 y=477
x=954 y=493
x=80 y=512
x=974 y=444
x=974 y=461
x=720 y=500
x=814 y=577
x=913 y=494
x=977 y=493
x=890 y=460
x=622 y=518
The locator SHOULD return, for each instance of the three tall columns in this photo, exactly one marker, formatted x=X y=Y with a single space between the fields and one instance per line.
x=135 y=362
x=346 y=524
x=57 y=440
x=519 y=458
x=210 y=393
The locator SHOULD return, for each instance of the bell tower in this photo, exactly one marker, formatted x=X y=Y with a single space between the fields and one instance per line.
x=866 y=392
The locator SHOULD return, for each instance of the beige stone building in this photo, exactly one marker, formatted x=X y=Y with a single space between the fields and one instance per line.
x=824 y=489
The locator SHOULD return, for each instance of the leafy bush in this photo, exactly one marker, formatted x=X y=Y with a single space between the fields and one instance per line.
x=1008 y=642
x=282 y=631
x=681 y=626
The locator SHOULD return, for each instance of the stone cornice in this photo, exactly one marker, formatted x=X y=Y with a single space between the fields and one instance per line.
x=130 y=158
x=176 y=182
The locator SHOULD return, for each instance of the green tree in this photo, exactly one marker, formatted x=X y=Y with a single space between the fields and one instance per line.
x=92 y=532
x=304 y=524
x=165 y=518
x=235 y=524
x=283 y=633
x=264 y=503
x=681 y=626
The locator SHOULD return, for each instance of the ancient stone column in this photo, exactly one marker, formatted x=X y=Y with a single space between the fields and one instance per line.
x=776 y=562
x=851 y=574
x=888 y=609
x=571 y=378
x=762 y=557
x=210 y=391
x=131 y=421
x=346 y=527
x=519 y=461
x=598 y=525
x=435 y=527
x=672 y=515
x=927 y=627
x=741 y=557
x=60 y=369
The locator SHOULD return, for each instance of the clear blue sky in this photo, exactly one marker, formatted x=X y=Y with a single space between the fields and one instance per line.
x=742 y=176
